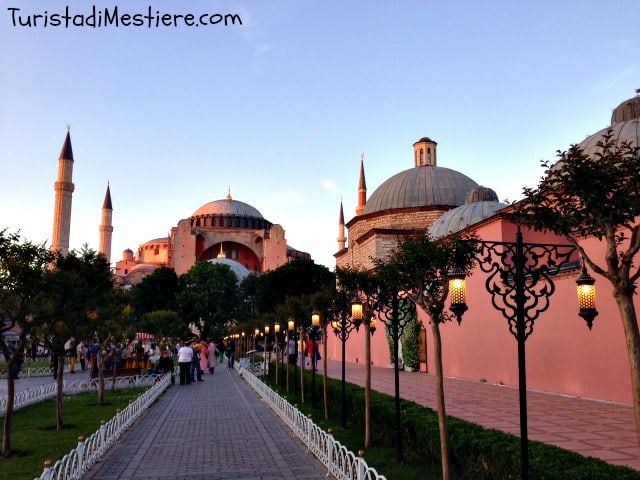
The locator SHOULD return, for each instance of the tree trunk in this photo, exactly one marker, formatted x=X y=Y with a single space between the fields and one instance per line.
x=442 y=414
x=367 y=386
x=632 y=335
x=59 y=391
x=8 y=417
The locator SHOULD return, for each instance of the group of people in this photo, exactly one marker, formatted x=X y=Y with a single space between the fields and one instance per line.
x=197 y=356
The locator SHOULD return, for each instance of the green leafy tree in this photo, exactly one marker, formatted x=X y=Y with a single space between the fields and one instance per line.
x=164 y=323
x=155 y=292
x=22 y=278
x=209 y=298
x=78 y=286
x=423 y=266
x=597 y=196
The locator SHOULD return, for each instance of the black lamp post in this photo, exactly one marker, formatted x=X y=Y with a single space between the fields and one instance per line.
x=267 y=362
x=292 y=335
x=520 y=285
x=276 y=329
x=313 y=333
x=394 y=316
x=342 y=329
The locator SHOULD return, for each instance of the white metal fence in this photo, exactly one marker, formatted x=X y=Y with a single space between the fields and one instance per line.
x=339 y=460
x=43 y=392
x=73 y=465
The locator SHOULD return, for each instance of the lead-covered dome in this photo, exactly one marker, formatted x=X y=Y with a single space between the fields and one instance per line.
x=482 y=203
x=419 y=187
x=625 y=126
x=228 y=206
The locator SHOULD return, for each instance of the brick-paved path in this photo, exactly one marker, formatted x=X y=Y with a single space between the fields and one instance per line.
x=213 y=430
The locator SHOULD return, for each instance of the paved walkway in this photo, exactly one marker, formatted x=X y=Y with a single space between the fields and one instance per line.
x=592 y=428
x=212 y=430
x=218 y=429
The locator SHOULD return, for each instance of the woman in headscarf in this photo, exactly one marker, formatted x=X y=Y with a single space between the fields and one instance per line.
x=212 y=361
x=204 y=354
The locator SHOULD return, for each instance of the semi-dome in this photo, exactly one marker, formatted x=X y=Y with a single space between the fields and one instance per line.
x=240 y=271
x=482 y=203
x=227 y=206
x=625 y=126
x=419 y=187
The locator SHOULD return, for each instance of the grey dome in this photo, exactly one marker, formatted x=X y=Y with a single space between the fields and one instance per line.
x=481 y=194
x=625 y=125
x=240 y=271
x=461 y=217
x=227 y=206
x=419 y=187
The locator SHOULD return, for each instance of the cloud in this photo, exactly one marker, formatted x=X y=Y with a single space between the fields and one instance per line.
x=329 y=185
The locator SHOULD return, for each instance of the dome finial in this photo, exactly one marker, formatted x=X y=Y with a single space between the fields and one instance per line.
x=221 y=254
x=229 y=192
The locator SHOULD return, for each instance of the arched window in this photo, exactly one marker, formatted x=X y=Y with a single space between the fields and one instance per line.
x=429 y=156
x=421 y=156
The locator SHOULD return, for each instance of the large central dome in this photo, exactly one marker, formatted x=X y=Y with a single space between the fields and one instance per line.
x=227 y=206
x=421 y=186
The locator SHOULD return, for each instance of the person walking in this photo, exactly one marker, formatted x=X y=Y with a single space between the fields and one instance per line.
x=185 y=356
x=212 y=361
x=230 y=353
x=204 y=359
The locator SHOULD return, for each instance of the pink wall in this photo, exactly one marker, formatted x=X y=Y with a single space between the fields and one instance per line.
x=562 y=354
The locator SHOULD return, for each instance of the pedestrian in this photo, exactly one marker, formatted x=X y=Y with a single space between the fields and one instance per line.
x=293 y=354
x=70 y=349
x=165 y=365
x=195 y=372
x=212 y=361
x=185 y=356
x=230 y=353
x=82 y=355
x=204 y=359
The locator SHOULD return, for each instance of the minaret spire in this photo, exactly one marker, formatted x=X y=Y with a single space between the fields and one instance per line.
x=341 y=237
x=362 y=189
x=64 y=191
x=106 y=227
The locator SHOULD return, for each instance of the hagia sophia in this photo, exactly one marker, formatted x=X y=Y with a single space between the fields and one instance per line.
x=563 y=355
x=222 y=231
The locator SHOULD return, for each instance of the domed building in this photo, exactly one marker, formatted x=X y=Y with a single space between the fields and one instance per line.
x=224 y=231
x=407 y=203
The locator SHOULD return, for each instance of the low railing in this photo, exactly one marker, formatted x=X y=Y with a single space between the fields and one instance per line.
x=43 y=392
x=339 y=460
x=77 y=462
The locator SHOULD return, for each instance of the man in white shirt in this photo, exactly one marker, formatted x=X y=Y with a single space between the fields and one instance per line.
x=185 y=355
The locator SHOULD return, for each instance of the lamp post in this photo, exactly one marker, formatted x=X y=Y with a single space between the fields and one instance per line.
x=342 y=329
x=520 y=285
x=265 y=362
x=394 y=316
x=276 y=329
x=313 y=332
x=256 y=334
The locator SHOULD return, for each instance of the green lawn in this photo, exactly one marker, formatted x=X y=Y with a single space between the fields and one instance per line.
x=35 y=438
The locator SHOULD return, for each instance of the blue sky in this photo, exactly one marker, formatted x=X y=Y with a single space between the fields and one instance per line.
x=281 y=107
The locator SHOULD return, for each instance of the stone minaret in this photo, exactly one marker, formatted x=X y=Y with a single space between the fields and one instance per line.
x=341 y=237
x=106 y=228
x=64 y=191
x=362 y=189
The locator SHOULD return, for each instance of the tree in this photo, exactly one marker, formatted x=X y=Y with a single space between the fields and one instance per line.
x=22 y=272
x=425 y=266
x=78 y=286
x=209 y=298
x=598 y=196
x=155 y=292
x=163 y=323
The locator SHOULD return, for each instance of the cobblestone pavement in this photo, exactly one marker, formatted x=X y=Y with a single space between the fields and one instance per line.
x=217 y=429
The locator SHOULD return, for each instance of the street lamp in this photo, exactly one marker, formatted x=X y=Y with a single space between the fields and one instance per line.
x=265 y=362
x=520 y=285
x=276 y=329
x=395 y=317
x=313 y=332
x=342 y=329
x=256 y=334
x=292 y=335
